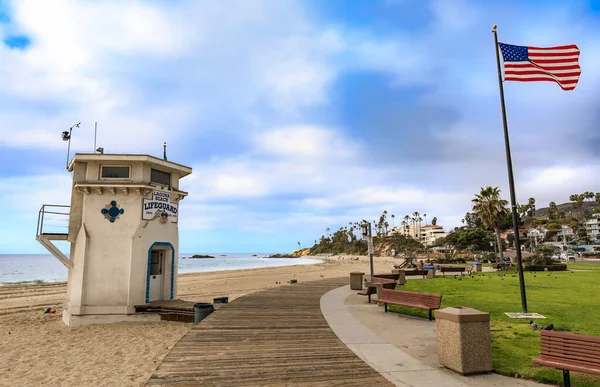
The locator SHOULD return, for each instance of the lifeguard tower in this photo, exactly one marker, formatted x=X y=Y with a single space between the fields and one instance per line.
x=123 y=235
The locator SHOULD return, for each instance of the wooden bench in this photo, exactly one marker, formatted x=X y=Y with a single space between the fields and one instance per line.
x=386 y=284
x=416 y=272
x=569 y=352
x=417 y=300
x=392 y=276
x=454 y=269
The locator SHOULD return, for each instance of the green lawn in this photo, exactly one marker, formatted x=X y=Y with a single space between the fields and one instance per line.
x=584 y=266
x=567 y=299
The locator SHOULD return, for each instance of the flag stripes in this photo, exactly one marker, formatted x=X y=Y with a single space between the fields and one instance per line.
x=558 y=64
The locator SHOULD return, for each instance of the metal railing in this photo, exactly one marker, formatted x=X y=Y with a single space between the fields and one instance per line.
x=53 y=219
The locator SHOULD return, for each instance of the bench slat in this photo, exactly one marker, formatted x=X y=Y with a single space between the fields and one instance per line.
x=567 y=359
x=382 y=280
x=407 y=292
x=572 y=341
x=580 y=355
x=576 y=349
x=571 y=366
x=406 y=303
x=572 y=336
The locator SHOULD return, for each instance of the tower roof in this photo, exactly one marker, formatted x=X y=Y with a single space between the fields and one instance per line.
x=97 y=157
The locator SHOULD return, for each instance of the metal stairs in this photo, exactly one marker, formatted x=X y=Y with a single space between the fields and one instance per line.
x=52 y=222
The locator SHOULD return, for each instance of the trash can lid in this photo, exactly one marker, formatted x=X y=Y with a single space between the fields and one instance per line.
x=429 y=267
x=461 y=314
x=356 y=272
x=202 y=305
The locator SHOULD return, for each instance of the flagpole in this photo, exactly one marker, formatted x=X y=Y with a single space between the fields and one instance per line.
x=511 y=182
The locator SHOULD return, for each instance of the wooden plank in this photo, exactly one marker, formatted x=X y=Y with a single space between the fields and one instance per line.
x=567 y=335
x=275 y=337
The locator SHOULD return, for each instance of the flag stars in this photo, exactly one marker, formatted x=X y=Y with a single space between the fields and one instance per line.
x=512 y=53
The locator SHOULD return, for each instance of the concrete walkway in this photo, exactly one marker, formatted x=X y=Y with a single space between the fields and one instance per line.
x=401 y=348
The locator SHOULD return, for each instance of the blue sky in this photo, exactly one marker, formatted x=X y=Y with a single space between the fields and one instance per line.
x=296 y=116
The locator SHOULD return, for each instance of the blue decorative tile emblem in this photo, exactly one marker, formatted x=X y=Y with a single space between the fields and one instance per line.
x=112 y=211
x=164 y=217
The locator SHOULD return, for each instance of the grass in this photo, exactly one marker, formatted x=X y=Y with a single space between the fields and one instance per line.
x=567 y=299
x=583 y=266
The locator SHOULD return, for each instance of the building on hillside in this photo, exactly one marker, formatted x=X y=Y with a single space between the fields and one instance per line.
x=505 y=234
x=427 y=235
x=566 y=233
x=431 y=233
x=591 y=228
x=412 y=230
x=536 y=235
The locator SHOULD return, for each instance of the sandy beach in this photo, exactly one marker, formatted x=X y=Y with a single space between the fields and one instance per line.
x=38 y=349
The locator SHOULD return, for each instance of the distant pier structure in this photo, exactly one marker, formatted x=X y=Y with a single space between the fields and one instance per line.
x=123 y=235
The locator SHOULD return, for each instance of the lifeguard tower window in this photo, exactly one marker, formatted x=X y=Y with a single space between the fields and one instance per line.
x=115 y=172
x=160 y=177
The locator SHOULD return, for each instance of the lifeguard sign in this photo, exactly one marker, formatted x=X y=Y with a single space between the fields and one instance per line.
x=160 y=207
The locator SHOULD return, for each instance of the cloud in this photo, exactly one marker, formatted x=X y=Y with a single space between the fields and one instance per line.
x=296 y=117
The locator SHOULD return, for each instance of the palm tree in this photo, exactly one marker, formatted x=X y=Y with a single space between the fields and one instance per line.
x=552 y=211
x=327 y=229
x=416 y=217
x=393 y=224
x=531 y=204
x=404 y=224
x=491 y=210
x=434 y=221
x=425 y=216
x=406 y=221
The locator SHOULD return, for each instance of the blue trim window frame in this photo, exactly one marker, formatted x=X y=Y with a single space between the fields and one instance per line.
x=161 y=244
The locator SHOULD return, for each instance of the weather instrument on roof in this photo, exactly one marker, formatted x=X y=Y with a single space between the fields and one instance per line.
x=66 y=136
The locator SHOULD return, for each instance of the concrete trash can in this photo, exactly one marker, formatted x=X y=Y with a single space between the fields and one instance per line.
x=202 y=310
x=430 y=271
x=401 y=277
x=356 y=280
x=464 y=340
x=477 y=267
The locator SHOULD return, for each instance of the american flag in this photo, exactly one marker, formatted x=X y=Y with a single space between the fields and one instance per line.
x=558 y=64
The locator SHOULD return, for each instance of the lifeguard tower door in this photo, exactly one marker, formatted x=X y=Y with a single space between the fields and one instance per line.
x=157 y=268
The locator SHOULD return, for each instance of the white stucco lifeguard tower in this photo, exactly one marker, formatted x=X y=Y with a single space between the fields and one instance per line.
x=123 y=235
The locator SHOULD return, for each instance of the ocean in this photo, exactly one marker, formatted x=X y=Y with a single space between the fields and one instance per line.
x=45 y=268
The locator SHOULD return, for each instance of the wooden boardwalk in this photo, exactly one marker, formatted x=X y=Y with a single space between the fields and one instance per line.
x=276 y=337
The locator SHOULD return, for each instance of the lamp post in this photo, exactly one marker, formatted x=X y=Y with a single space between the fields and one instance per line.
x=366 y=232
x=66 y=136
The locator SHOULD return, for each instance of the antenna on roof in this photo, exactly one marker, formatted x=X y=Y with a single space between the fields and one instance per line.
x=165 y=151
x=95 y=133
x=66 y=136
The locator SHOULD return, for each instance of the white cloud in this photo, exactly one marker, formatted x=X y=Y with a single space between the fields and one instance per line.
x=306 y=142
x=557 y=183
x=153 y=71
x=97 y=61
